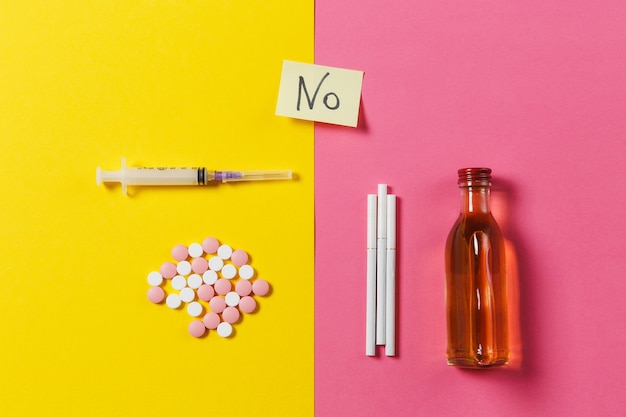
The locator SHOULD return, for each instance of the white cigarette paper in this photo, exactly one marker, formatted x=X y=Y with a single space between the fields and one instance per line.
x=381 y=263
x=370 y=314
x=390 y=299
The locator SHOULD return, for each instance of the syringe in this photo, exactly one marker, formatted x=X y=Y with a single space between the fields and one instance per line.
x=182 y=176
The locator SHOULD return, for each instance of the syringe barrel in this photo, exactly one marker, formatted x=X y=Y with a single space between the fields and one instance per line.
x=152 y=176
x=164 y=176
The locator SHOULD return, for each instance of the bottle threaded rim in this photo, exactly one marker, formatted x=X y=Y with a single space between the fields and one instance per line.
x=474 y=177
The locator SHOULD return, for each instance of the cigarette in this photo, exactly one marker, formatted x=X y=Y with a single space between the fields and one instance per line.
x=381 y=263
x=370 y=314
x=390 y=299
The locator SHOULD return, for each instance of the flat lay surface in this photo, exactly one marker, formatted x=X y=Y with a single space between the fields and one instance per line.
x=180 y=300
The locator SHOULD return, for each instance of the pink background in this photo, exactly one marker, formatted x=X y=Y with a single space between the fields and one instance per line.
x=536 y=90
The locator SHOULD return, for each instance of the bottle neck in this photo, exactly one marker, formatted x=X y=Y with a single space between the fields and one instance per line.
x=475 y=184
x=475 y=200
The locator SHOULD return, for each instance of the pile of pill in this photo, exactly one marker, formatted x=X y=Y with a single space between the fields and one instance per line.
x=212 y=281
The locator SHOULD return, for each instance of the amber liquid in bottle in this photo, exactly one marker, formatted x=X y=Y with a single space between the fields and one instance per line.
x=476 y=301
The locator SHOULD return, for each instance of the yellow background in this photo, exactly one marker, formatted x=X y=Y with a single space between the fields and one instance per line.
x=176 y=83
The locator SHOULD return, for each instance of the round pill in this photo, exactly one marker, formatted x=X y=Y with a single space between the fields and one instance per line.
x=224 y=329
x=156 y=294
x=260 y=287
x=222 y=286
x=217 y=304
x=194 y=281
x=196 y=328
x=183 y=268
x=210 y=245
x=211 y=320
x=199 y=265
x=216 y=263
x=187 y=295
x=168 y=270
x=247 y=304
x=246 y=272
x=155 y=278
x=239 y=257
x=232 y=299
x=209 y=277
x=179 y=252
x=195 y=309
x=230 y=315
x=229 y=271
x=224 y=252
x=179 y=282
x=173 y=301
x=205 y=292
x=195 y=250
x=243 y=288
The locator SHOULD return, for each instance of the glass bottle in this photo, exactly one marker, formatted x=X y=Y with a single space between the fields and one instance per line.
x=476 y=303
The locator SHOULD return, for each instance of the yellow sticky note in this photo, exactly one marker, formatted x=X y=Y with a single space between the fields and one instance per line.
x=165 y=84
x=319 y=93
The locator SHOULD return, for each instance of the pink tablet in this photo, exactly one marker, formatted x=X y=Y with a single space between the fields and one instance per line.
x=156 y=294
x=211 y=320
x=210 y=245
x=180 y=253
x=206 y=292
x=223 y=286
x=196 y=328
x=230 y=315
x=243 y=288
x=199 y=265
x=260 y=287
x=247 y=304
x=217 y=304
x=168 y=270
x=239 y=257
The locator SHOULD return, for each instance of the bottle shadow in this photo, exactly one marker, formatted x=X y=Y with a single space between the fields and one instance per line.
x=520 y=286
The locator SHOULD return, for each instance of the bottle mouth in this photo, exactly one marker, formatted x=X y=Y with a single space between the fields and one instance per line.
x=474 y=177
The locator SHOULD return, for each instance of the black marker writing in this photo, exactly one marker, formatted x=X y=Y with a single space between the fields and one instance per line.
x=311 y=100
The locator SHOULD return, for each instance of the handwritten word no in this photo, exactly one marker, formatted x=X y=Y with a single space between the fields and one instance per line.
x=311 y=100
